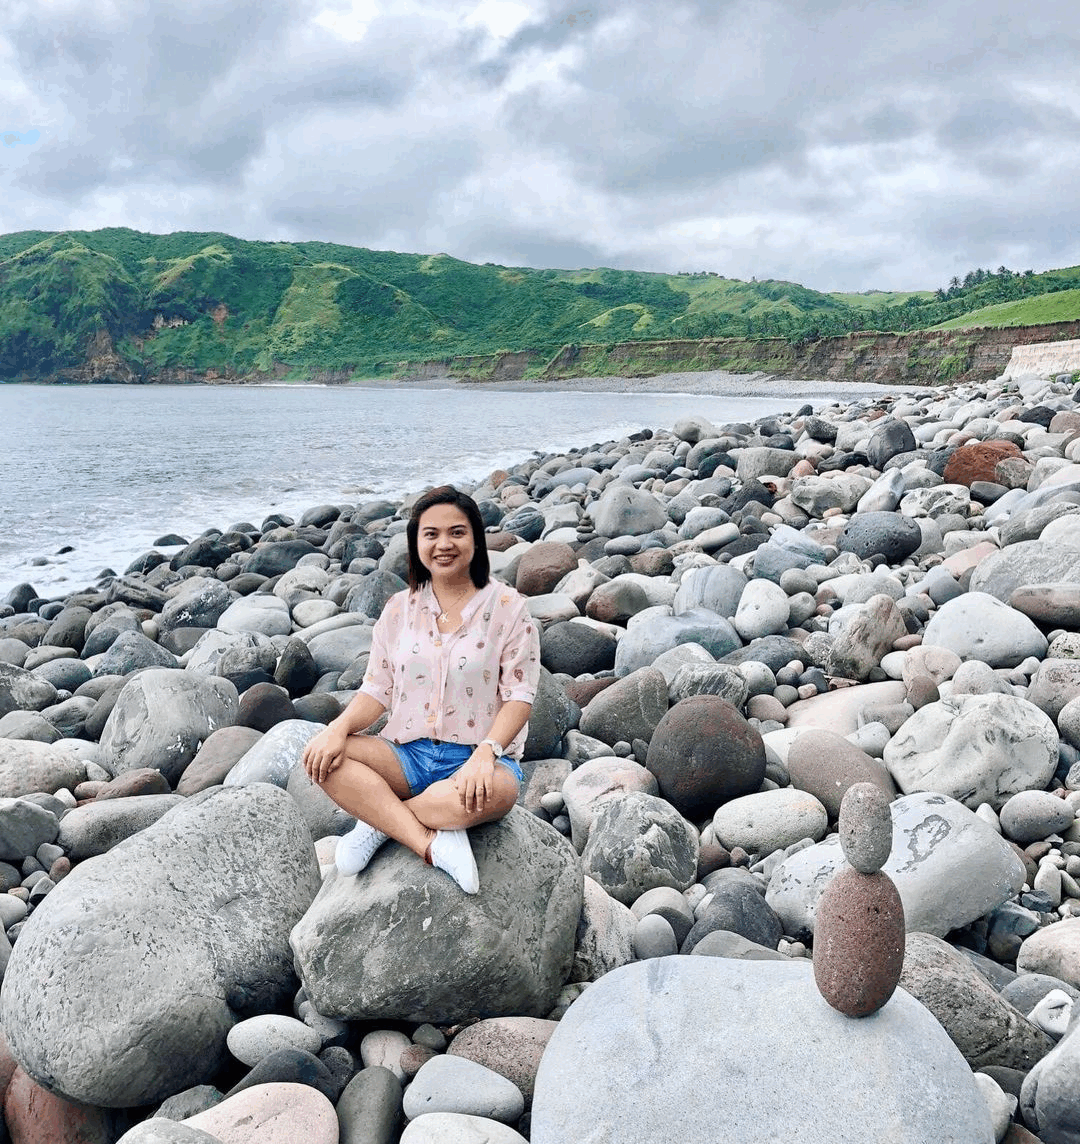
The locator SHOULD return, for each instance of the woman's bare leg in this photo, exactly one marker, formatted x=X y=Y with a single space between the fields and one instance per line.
x=370 y=785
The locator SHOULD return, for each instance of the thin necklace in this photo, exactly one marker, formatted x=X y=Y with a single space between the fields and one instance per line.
x=444 y=616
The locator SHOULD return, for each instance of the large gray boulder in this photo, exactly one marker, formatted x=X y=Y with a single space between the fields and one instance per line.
x=975 y=748
x=161 y=717
x=272 y=758
x=401 y=941
x=168 y=940
x=23 y=691
x=985 y=1027
x=653 y=634
x=98 y=826
x=553 y=714
x=27 y=766
x=787 y=1065
x=605 y=934
x=1029 y=562
x=623 y=510
x=596 y=782
x=949 y=867
x=627 y=710
x=638 y=842
x=1049 y=1099
x=198 y=603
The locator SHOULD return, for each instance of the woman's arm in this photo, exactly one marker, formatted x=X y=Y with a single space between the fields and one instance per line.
x=326 y=752
x=475 y=780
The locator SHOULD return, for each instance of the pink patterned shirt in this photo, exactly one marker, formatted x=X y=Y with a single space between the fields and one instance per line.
x=450 y=686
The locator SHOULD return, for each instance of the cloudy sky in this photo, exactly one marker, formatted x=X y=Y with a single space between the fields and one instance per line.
x=844 y=145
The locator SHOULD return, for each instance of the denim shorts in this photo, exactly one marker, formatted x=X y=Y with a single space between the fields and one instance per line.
x=426 y=761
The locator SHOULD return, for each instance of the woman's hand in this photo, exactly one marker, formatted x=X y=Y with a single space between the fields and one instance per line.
x=325 y=753
x=474 y=780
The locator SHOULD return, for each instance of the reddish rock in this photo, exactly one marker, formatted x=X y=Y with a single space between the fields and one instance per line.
x=500 y=541
x=89 y=789
x=1065 y=421
x=615 y=602
x=859 y=942
x=712 y=856
x=653 y=562
x=582 y=690
x=264 y=705
x=143 y=780
x=36 y=1116
x=510 y=1046
x=8 y=1065
x=922 y=690
x=543 y=566
x=60 y=868
x=414 y=1058
x=703 y=753
x=827 y=765
x=978 y=461
x=220 y=752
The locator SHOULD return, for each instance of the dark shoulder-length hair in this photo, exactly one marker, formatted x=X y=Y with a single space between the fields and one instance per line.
x=479 y=568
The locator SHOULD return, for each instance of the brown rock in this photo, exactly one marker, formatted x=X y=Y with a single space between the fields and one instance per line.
x=1053 y=605
x=859 y=942
x=712 y=856
x=60 y=869
x=143 y=780
x=582 y=690
x=543 y=566
x=703 y=753
x=653 y=562
x=826 y=765
x=220 y=752
x=36 y=1116
x=510 y=1046
x=500 y=541
x=615 y=602
x=264 y=705
x=766 y=707
x=89 y=789
x=922 y=690
x=1065 y=421
x=978 y=461
x=413 y=1058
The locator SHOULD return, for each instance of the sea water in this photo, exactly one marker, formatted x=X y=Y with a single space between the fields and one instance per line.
x=92 y=476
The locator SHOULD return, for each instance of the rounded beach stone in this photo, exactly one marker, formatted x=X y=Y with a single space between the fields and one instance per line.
x=866 y=829
x=457 y=1128
x=1032 y=815
x=264 y=705
x=384 y=1047
x=859 y=942
x=770 y=820
x=455 y=1084
x=543 y=566
x=257 y=1037
x=280 y=1113
x=827 y=765
x=510 y=1046
x=703 y=753
x=654 y=937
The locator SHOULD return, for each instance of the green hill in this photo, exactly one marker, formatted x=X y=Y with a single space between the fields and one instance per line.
x=192 y=304
x=1063 y=306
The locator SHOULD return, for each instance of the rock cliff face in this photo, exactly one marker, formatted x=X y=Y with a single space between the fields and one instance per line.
x=103 y=364
x=920 y=358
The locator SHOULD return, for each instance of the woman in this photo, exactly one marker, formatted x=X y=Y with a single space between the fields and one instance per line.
x=456 y=661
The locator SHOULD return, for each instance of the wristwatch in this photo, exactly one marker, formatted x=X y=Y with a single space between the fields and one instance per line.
x=497 y=747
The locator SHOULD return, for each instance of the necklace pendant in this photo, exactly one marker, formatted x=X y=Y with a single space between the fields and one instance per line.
x=443 y=618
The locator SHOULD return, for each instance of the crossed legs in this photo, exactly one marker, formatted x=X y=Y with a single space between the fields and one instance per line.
x=370 y=785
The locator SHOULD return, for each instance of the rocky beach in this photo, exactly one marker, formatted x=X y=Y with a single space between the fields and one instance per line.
x=797 y=855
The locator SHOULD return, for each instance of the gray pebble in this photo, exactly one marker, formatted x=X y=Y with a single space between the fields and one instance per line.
x=654 y=937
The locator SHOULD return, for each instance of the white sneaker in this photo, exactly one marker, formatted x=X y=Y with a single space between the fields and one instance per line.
x=355 y=849
x=450 y=851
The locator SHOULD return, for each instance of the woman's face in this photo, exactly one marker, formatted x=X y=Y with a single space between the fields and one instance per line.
x=444 y=542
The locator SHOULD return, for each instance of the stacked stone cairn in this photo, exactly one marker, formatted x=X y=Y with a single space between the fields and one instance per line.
x=838 y=643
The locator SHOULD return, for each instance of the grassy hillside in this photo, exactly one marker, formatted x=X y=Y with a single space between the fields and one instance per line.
x=188 y=303
x=1064 y=306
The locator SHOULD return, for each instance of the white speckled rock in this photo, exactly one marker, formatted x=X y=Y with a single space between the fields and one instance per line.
x=770 y=820
x=281 y=1113
x=975 y=748
x=257 y=1037
x=384 y=1047
x=1032 y=815
x=979 y=626
x=763 y=610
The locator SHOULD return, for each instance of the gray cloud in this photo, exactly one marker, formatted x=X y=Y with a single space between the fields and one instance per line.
x=836 y=143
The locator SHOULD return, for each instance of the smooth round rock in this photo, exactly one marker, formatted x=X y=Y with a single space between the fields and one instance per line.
x=859 y=942
x=1031 y=815
x=457 y=1128
x=282 y=1113
x=654 y=937
x=866 y=829
x=456 y=1084
x=770 y=820
x=257 y=1037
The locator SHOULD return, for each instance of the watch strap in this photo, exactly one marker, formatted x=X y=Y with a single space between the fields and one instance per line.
x=497 y=747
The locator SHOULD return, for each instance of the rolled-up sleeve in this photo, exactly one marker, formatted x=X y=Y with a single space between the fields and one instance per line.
x=378 y=680
x=519 y=661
